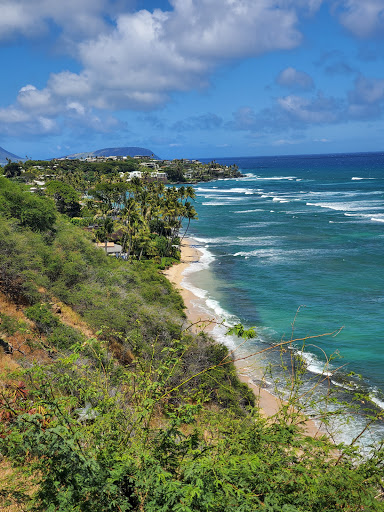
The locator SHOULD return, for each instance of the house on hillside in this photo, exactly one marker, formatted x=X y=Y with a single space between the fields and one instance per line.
x=111 y=248
x=149 y=176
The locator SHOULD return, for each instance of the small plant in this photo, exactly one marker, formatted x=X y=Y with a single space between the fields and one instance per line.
x=43 y=317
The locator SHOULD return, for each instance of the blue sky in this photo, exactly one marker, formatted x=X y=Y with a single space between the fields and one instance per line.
x=192 y=78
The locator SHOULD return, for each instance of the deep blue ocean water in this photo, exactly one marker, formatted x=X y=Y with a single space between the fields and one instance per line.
x=300 y=232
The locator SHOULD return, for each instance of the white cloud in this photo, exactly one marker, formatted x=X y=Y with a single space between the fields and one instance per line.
x=363 y=18
x=139 y=59
x=136 y=60
x=150 y=54
x=312 y=111
x=33 y=100
x=14 y=122
x=69 y=85
x=76 y=108
x=76 y=18
x=287 y=142
x=290 y=112
x=367 y=98
x=13 y=19
x=13 y=115
x=367 y=90
x=36 y=112
x=232 y=28
x=244 y=119
x=294 y=79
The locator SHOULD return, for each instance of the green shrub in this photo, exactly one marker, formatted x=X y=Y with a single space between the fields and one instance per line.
x=100 y=443
x=64 y=336
x=8 y=324
x=36 y=213
x=43 y=317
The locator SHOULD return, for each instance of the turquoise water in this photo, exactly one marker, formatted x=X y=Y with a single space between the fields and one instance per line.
x=302 y=231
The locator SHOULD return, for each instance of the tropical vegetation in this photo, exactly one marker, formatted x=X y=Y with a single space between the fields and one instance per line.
x=109 y=401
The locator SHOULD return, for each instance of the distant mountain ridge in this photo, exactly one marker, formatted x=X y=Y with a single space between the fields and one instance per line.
x=120 y=151
x=4 y=154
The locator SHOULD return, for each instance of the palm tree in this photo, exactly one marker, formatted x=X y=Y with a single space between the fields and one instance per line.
x=190 y=214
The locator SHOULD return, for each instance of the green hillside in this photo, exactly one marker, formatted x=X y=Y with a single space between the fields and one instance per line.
x=109 y=403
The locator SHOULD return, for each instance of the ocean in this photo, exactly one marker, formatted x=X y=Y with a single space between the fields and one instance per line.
x=296 y=249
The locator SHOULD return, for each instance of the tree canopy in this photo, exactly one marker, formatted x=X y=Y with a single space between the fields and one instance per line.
x=39 y=214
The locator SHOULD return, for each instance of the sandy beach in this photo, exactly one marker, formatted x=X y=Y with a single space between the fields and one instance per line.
x=268 y=403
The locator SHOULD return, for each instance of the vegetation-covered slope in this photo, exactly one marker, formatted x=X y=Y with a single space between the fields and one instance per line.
x=116 y=407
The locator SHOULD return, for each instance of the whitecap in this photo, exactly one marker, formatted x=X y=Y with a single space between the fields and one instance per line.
x=223 y=198
x=276 y=178
x=378 y=401
x=198 y=292
x=203 y=262
x=243 y=240
x=279 y=200
x=313 y=364
x=288 y=256
x=234 y=190
x=215 y=204
x=356 y=206
x=213 y=240
x=215 y=306
x=250 y=211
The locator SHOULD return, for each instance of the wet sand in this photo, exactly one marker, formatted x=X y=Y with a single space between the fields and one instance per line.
x=198 y=320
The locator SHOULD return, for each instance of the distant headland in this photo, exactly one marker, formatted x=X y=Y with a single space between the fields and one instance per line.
x=106 y=152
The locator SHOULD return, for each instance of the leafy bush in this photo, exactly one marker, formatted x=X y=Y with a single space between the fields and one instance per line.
x=64 y=336
x=43 y=317
x=96 y=439
x=31 y=211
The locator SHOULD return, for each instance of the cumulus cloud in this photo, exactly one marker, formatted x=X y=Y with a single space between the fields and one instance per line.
x=148 y=55
x=76 y=18
x=290 y=112
x=318 y=110
x=367 y=90
x=294 y=79
x=16 y=122
x=335 y=63
x=245 y=118
x=293 y=112
x=367 y=98
x=36 y=112
x=287 y=142
x=232 y=28
x=34 y=100
x=136 y=60
x=144 y=56
x=363 y=18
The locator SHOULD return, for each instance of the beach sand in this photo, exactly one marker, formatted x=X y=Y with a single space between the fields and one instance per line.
x=268 y=403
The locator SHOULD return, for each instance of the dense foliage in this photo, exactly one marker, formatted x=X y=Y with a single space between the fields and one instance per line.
x=30 y=210
x=145 y=217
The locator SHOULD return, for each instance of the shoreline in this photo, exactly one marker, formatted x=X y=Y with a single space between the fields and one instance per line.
x=269 y=404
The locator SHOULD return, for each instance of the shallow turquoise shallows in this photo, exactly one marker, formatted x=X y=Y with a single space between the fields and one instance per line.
x=300 y=231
